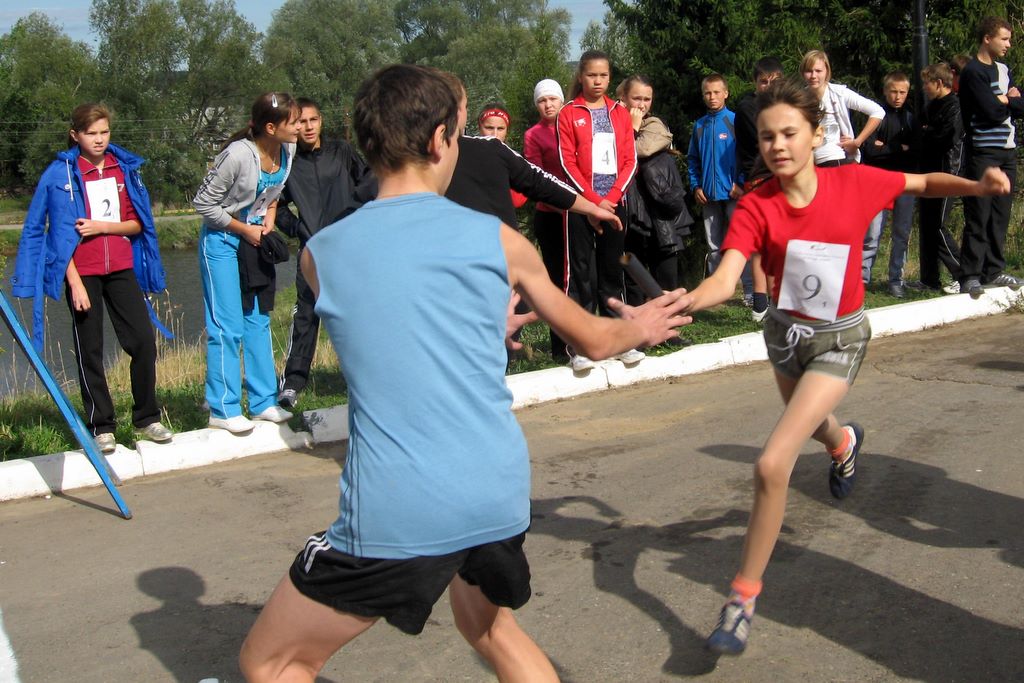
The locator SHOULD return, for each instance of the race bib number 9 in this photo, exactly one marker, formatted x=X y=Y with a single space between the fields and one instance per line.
x=604 y=154
x=104 y=204
x=812 y=278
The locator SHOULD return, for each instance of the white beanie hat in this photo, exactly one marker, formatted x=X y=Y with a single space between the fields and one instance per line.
x=546 y=87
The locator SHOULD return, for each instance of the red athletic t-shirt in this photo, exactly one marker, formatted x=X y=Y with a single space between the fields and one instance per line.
x=848 y=197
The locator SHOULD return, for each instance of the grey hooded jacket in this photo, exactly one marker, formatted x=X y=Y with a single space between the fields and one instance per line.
x=230 y=186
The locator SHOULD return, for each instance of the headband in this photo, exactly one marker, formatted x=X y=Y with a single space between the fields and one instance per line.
x=488 y=113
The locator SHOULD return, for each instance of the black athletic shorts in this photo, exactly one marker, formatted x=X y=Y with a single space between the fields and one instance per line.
x=404 y=591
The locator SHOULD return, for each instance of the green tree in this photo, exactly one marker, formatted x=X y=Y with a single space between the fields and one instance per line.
x=43 y=76
x=500 y=49
x=326 y=48
x=545 y=58
x=179 y=76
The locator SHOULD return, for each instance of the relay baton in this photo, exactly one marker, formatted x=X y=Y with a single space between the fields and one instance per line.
x=631 y=264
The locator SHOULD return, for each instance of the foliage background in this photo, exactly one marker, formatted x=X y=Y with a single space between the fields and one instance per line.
x=180 y=74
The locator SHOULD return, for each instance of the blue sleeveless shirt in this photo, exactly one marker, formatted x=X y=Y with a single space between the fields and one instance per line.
x=413 y=293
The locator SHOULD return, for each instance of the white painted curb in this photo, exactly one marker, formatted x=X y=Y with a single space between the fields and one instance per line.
x=46 y=474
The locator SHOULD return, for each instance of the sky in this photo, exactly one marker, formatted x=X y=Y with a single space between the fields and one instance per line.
x=73 y=15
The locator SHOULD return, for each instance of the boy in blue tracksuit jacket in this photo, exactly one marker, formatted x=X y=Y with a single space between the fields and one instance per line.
x=44 y=254
x=711 y=161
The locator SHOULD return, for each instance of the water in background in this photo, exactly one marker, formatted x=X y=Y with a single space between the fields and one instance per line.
x=180 y=308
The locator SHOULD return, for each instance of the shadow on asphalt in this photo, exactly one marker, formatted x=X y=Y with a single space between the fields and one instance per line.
x=192 y=640
x=912 y=634
x=913 y=501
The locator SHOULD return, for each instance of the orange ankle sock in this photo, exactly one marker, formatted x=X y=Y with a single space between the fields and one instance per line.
x=745 y=589
x=844 y=449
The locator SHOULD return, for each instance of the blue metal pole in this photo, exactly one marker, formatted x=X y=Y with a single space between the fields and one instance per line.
x=74 y=421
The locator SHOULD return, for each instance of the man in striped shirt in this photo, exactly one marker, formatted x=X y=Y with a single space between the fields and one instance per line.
x=989 y=101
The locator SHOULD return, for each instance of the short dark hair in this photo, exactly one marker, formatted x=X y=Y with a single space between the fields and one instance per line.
x=767 y=65
x=306 y=103
x=711 y=78
x=989 y=26
x=396 y=112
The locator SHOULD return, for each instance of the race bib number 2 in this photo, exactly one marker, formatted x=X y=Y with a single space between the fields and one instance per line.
x=812 y=278
x=104 y=204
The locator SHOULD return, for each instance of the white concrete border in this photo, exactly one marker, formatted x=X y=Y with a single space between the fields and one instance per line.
x=46 y=474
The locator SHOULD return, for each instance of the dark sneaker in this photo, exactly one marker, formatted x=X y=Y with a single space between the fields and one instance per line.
x=288 y=398
x=972 y=286
x=896 y=290
x=1004 y=280
x=730 y=636
x=842 y=477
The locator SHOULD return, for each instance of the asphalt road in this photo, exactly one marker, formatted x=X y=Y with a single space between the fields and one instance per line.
x=641 y=497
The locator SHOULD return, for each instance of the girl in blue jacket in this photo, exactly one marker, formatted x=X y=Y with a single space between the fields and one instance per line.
x=89 y=232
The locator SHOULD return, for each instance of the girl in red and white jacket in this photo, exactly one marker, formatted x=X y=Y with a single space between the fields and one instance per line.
x=595 y=141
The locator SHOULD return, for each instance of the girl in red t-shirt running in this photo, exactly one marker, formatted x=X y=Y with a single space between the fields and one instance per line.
x=808 y=224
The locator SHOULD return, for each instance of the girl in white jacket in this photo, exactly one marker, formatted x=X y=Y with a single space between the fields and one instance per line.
x=840 y=145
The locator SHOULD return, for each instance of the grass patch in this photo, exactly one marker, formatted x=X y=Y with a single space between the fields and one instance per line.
x=31 y=425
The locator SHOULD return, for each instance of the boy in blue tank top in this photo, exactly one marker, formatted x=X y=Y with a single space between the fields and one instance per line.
x=414 y=291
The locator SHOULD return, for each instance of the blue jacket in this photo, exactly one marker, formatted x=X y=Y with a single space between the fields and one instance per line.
x=711 y=159
x=59 y=201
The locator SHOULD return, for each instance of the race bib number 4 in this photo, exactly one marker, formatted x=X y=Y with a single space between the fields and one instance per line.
x=604 y=154
x=104 y=204
x=812 y=278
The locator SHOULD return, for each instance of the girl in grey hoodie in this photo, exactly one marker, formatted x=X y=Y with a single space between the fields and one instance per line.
x=238 y=201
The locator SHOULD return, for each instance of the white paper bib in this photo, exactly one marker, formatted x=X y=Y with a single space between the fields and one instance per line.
x=104 y=204
x=603 y=153
x=812 y=278
x=263 y=202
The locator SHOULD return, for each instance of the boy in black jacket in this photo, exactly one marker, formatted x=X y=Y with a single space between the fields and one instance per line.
x=988 y=101
x=328 y=181
x=891 y=146
x=942 y=142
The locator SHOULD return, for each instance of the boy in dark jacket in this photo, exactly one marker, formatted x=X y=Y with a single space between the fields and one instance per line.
x=328 y=181
x=766 y=70
x=942 y=142
x=891 y=146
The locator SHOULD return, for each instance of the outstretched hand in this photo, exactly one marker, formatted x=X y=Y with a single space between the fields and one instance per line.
x=514 y=321
x=995 y=181
x=659 y=317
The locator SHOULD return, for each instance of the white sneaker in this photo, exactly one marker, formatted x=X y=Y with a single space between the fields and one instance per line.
x=580 y=363
x=758 y=317
x=631 y=357
x=273 y=414
x=952 y=288
x=239 y=424
x=106 y=443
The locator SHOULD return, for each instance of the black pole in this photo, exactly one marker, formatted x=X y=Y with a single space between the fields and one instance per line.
x=920 y=53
